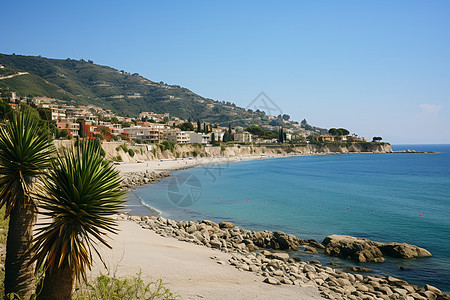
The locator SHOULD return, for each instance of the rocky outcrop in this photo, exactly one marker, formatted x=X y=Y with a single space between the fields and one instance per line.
x=349 y=247
x=276 y=267
x=131 y=180
x=364 y=250
x=402 y=250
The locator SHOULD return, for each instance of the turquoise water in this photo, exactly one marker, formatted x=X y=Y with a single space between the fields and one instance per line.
x=384 y=197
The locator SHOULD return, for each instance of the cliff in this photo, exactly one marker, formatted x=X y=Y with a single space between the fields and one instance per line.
x=120 y=151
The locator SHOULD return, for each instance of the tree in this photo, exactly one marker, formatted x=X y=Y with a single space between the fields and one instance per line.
x=286 y=117
x=376 y=138
x=24 y=156
x=186 y=126
x=81 y=195
x=199 y=126
x=5 y=110
x=281 y=136
x=213 y=138
x=343 y=131
x=229 y=129
x=256 y=130
x=63 y=133
x=333 y=131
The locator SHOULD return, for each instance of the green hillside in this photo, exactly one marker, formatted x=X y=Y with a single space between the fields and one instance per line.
x=83 y=82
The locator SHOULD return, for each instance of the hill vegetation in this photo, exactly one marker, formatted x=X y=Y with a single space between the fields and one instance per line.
x=81 y=82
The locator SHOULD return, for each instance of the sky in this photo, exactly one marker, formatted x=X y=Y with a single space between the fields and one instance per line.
x=377 y=68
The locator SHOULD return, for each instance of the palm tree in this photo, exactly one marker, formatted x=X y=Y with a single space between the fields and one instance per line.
x=24 y=155
x=81 y=193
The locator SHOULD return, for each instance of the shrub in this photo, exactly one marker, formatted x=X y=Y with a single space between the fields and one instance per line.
x=131 y=152
x=105 y=287
x=124 y=148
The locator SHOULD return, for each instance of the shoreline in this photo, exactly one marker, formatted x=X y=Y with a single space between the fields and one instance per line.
x=203 y=259
x=171 y=165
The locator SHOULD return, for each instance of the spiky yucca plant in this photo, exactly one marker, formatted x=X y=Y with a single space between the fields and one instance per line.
x=24 y=155
x=81 y=193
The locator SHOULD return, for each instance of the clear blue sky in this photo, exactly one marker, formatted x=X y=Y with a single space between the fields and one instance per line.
x=374 y=67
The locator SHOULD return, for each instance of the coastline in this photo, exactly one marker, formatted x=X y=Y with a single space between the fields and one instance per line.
x=163 y=166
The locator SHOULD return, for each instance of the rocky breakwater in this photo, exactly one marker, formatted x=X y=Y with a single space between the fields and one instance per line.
x=365 y=250
x=260 y=252
x=131 y=180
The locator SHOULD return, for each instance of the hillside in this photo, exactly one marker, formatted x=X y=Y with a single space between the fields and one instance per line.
x=83 y=82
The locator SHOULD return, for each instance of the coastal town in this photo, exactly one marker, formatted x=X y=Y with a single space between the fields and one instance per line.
x=90 y=121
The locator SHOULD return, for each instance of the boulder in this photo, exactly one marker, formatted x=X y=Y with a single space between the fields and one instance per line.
x=402 y=250
x=226 y=225
x=349 y=247
x=271 y=280
x=365 y=250
x=358 y=269
x=311 y=250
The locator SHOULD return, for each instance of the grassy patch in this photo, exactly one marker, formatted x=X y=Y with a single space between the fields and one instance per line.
x=133 y=287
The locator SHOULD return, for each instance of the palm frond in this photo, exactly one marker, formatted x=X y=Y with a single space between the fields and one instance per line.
x=24 y=155
x=82 y=192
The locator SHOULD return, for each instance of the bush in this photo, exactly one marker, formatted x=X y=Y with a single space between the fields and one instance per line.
x=117 y=158
x=131 y=152
x=167 y=145
x=124 y=148
x=105 y=287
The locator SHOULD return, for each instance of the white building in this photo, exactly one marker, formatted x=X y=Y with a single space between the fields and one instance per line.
x=177 y=136
x=245 y=137
x=142 y=133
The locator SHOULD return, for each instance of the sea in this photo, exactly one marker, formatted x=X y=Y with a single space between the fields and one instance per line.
x=388 y=197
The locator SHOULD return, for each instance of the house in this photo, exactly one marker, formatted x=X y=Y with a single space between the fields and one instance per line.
x=71 y=127
x=199 y=138
x=245 y=137
x=149 y=134
x=177 y=136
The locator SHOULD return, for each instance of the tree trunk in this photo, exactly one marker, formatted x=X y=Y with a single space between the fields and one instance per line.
x=19 y=273
x=57 y=285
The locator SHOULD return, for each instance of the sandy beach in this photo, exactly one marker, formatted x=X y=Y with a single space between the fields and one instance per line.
x=189 y=270
x=170 y=165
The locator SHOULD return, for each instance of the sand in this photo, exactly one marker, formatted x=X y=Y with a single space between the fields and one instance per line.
x=187 y=269
x=170 y=165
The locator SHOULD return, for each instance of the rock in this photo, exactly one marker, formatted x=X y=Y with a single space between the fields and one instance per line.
x=271 y=280
x=278 y=273
x=311 y=250
x=210 y=223
x=365 y=250
x=402 y=250
x=215 y=244
x=226 y=225
x=277 y=240
x=358 y=269
x=432 y=289
x=191 y=229
x=349 y=247
x=278 y=255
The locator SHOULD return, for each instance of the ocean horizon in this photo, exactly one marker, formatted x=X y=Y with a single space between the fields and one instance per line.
x=389 y=197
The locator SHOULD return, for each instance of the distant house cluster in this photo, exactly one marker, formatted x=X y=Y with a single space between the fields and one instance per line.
x=90 y=121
